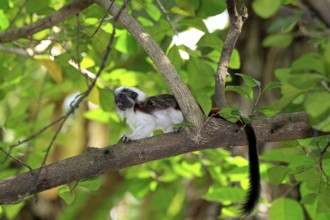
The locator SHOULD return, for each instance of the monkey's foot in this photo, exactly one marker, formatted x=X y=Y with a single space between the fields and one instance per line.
x=125 y=139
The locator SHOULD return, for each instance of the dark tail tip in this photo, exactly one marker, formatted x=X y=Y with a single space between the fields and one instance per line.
x=251 y=200
x=253 y=193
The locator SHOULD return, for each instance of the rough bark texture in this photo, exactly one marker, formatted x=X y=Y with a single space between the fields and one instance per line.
x=216 y=133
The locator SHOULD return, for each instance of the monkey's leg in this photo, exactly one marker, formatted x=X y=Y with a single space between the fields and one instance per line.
x=139 y=133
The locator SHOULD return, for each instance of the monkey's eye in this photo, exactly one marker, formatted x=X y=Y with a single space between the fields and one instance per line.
x=134 y=95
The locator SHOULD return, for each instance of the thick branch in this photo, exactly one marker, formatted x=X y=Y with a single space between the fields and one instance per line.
x=181 y=92
x=236 y=24
x=47 y=22
x=216 y=133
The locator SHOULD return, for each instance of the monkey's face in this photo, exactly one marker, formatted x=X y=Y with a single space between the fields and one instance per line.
x=125 y=99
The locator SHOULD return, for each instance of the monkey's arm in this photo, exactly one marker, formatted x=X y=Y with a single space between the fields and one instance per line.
x=142 y=126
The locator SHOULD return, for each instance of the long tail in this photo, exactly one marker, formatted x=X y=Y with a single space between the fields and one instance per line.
x=253 y=193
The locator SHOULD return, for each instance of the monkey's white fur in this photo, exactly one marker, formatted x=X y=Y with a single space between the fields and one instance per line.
x=143 y=124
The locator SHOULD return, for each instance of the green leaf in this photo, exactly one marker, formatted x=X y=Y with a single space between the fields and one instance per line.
x=234 y=62
x=161 y=198
x=224 y=194
x=211 y=41
x=323 y=200
x=230 y=114
x=126 y=43
x=266 y=8
x=13 y=210
x=119 y=77
x=305 y=80
x=290 y=23
x=286 y=209
x=249 y=80
x=159 y=31
x=2 y=94
x=273 y=85
x=98 y=115
x=284 y=24
x=182 y=171
x=269 y=111
x=184 y=7
x=242 y=90
x=194 y=168
x=277 y=40
x=4 y=22
x=175 y=57
x=211 y=7
x=92 y=184
x=309 y=61
x=313 y=104
x=281 y=155
x=36 y=6
x=5 y=4
x=69 y=71
x=194 y=22
x=139 y=187
x=204 y=99
x=308 y=199
x=66 y=194
x=277 y=174
x=106 y=99
x=310 y=176
x=200 y=74
x=168 y=4
x=183 y=125
x=324 y=125
x=153 y=11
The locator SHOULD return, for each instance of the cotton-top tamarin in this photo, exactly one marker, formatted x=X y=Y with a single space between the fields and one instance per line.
x=145 y=114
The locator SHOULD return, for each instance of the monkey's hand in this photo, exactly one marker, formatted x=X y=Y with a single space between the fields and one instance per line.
x=124 y=138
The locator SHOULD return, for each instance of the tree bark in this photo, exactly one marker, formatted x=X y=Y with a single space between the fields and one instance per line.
x=95 y=161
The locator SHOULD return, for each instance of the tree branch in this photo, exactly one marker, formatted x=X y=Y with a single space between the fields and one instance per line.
x=321 y=7
x=181 y=92
x=236 y=23
x=216 y=133
x=47 y=22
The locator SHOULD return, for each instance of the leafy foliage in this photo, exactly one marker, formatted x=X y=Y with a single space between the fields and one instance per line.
x=37 y=89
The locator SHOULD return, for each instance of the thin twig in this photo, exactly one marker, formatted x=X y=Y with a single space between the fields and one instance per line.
x=31 y=137
x=236 y=23
x=322 y=153
x=16 y=159
x=102 y=20
x=165 y=13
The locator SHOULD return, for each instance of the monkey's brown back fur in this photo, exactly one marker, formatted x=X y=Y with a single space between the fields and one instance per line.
x=158 y=102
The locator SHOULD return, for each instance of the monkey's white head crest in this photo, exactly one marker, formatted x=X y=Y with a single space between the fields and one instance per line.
x=141 y=96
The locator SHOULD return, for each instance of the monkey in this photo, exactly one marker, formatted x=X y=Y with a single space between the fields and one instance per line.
x=146 y=114
x=254 y=188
